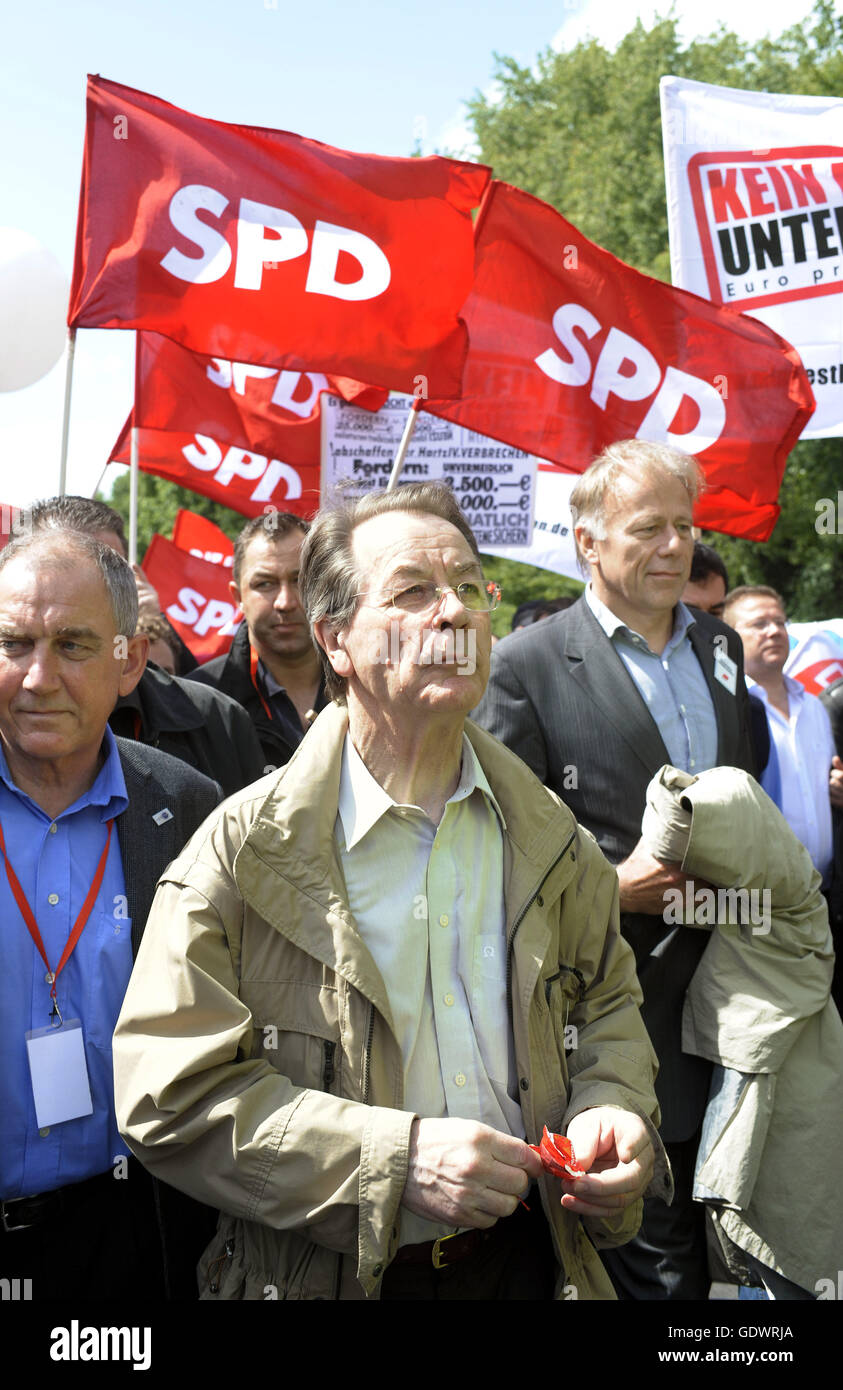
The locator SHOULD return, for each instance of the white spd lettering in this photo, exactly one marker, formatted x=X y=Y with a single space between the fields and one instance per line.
x=255 y=250
x=232 y=376
x=628 y=370
x=202 y=614
x=214 y=557
x=207 y=455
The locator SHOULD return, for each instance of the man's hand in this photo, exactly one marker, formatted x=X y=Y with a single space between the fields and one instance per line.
x=644 y=881
x=466 y=1174
x=835 y=781
x=617 y=1153
x=149 y=604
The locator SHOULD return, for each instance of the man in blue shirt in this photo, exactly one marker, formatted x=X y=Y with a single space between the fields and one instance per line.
x=86 y=824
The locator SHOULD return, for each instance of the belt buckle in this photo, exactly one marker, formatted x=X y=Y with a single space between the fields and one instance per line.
x=436 y=1252
x=5 y=1214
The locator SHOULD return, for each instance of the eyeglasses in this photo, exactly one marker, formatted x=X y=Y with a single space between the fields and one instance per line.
x=477 y=595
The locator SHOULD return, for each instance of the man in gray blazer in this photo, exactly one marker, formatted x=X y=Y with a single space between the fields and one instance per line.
x=595 y=700
x=87 y=825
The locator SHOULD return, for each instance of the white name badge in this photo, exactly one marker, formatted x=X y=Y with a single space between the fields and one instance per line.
x=726 y=672
x=59 y=1073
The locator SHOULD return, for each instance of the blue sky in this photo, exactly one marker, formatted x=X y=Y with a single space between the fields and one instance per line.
x=365 y=76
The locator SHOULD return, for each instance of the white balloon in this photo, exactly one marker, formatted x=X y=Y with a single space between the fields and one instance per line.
x=33 y=309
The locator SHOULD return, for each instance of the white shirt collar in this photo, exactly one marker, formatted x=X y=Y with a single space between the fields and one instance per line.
x=683 y=618
x=795 y=690
x=362 y=799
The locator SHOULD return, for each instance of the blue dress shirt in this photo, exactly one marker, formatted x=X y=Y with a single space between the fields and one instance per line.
x=55 y=862
x=671 y=683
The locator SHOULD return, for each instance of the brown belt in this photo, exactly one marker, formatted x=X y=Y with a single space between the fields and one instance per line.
x=450 y=1250
x=446 y=1250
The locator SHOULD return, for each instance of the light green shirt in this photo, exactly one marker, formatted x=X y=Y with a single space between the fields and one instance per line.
x=428 y=901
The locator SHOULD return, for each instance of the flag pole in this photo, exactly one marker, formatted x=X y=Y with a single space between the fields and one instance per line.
x=98 y=483
x=409 y=430
x=65 y=424
x=133 y=465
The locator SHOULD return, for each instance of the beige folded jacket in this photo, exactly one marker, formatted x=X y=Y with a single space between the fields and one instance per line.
x=769 y=1168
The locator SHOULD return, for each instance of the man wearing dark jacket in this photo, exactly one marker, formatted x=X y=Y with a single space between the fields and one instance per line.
x=272 y=667
x=595 y=700
x=87 y=824
x=199 y=725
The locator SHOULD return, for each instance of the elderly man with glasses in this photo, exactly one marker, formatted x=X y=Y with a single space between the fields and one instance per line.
x=373 y=978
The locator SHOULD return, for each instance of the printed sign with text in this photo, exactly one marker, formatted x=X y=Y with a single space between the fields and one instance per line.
x=494 y=483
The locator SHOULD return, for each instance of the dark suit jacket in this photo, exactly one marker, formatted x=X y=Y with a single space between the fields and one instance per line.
x=157 y=782
x=560 y=697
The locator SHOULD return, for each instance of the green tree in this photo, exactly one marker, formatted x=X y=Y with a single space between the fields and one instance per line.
x=582 y=130
x=158 y=502
x=522 y=582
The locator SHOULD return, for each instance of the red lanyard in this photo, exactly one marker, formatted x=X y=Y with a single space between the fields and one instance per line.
x=29 y=918
x=253 y=671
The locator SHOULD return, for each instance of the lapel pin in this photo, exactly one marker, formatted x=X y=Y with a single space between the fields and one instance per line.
x=161 y=817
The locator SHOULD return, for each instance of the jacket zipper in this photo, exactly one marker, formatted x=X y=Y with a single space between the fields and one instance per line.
x=328 y=1072
x=523 y=913
x=367 y=1054
x=215 y=1278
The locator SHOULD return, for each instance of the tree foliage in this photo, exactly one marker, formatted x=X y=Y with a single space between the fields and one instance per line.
x=158 y=502
x=582 y=130
x=520 y=583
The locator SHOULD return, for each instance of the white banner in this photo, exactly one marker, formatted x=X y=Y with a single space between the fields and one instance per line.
x=755 y=215
x=494 y=483
x=552 y=546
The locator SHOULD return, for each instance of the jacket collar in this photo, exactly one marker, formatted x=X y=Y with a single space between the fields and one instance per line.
x=163 y=704
x=597 y=668
x=289 y=858
x=234 y=678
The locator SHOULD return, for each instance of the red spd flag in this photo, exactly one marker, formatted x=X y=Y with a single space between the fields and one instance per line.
x=202 y=538
x=260 y=246
x=570 y=350
x=194 y=596
x=247 y=436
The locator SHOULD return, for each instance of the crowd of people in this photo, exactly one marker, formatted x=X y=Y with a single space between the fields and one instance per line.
x=374 y=916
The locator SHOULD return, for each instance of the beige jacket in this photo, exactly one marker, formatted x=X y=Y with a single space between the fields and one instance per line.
x=255 y=1063
x=770 y=1165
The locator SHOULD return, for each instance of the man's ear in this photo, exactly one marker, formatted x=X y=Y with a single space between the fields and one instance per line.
x=234 y=590
x=133 y=652
x=585 y=542
x=333 y=645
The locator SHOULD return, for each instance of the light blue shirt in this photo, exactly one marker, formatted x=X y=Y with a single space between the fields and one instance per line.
x=55 y=862
x=671 y=683
x=804 y=746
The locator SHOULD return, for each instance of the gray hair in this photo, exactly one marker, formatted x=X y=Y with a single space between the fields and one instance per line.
x=329 y=581
x=61 y=548
x=78 y=514
x=634 y=458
